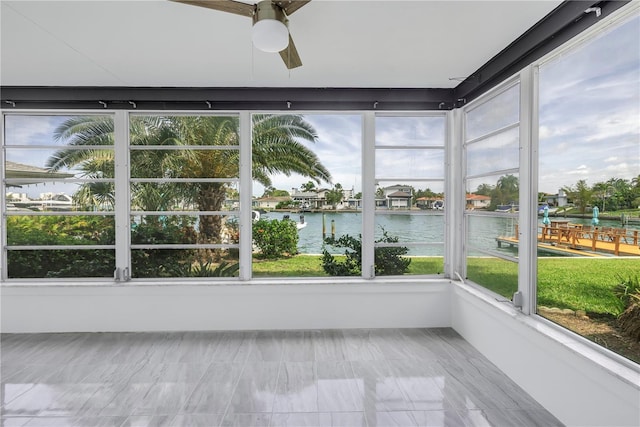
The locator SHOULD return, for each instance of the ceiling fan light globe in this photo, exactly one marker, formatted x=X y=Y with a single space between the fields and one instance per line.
x=270 y=35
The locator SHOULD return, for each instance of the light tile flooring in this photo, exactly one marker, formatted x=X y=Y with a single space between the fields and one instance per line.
x=388 y=377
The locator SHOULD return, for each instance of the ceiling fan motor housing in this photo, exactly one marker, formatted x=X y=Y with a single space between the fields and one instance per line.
x=270 y=32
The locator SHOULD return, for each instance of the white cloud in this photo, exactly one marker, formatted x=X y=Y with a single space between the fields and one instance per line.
x=578 y=172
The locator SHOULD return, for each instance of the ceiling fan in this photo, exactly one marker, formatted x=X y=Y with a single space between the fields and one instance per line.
x=270 y=31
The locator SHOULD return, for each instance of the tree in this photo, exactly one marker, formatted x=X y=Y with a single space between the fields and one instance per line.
x=308 y=186
x=580 y=194
x=268 y=191
x=484 y=189
x=277 y=148
x=274 y=192
x=505 y=192
x=335 y=195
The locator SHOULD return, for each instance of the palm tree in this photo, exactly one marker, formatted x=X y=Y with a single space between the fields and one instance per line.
x=580 y=194
x=506 y=191
x=335 y=195
x=276 y=148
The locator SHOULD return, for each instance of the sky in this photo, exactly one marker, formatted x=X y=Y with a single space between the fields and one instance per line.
x=590 y=111
x=589 y=128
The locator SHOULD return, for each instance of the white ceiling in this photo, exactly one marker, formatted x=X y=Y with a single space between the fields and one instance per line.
x=360 y=43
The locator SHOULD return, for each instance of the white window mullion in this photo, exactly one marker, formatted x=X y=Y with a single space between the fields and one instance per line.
x=528 y=228
x=3 y=207
x=368 y=193
x=122 y=199
x=246 y=191
x=455 y=195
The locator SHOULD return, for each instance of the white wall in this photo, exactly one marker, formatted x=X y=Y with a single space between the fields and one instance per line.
x=576 y=383
x=265 y=305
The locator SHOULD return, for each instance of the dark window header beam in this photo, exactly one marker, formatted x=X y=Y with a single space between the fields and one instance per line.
x=559 y=26
x=150 y=98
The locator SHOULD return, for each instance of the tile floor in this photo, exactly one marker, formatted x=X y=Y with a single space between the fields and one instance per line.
x=389 y=377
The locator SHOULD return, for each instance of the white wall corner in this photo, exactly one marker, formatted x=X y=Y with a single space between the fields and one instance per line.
x=578 y=384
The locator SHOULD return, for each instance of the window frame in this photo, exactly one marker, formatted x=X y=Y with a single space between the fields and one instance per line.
x=123 y=211
x=444 y=148
x=5 y=248
x=523 y=144
x=125 y=269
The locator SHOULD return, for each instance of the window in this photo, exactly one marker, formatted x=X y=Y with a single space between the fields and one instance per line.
x=491 y=180
x=313 y=179
x=588 y=184
x=58 y=189
x=184 y=192
x=409 y=199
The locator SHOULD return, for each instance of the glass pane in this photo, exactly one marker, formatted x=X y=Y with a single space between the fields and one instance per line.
x=428 y=264
x=498 y=193
x=499 y=152
x=589 y=172
x=158 y=263
x=496 y=113
x=183 y=229
x=315 y=181
x=184 y=130
x=410 y=131
x=50 y=197
x=427 y=164
x=60 y=230
x=58 y=131
x=411 y=227
x=426 y=195
x=184 y=196
x=417 y=222
x=44 y=164
x=495 y=274
x=65 y=263
x=185 y=163
x=491 y=233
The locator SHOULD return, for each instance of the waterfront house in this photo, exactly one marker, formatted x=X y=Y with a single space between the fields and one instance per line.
x=478 y=201
x=270 y=202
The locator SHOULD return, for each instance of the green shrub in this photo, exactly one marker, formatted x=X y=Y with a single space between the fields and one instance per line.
x=57 y=230
x=389 y=261
x=351 y=263
x=274 y=238
x=288 y=204
x=163 y=262
x=206 y=269
x=628 y=290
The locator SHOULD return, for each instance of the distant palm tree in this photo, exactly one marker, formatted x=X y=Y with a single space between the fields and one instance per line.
x=580 y=194
x=505 y=192
x=276 y=148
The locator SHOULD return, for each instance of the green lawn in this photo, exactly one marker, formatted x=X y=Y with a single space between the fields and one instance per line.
x=575 y=283
x=583 y=284
x=311 y=266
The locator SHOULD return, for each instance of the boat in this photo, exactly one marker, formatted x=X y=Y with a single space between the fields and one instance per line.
x=299 y=225
x=255 y=216
x=508 y=208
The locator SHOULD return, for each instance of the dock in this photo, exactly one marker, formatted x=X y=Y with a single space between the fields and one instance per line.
x=577 y=240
